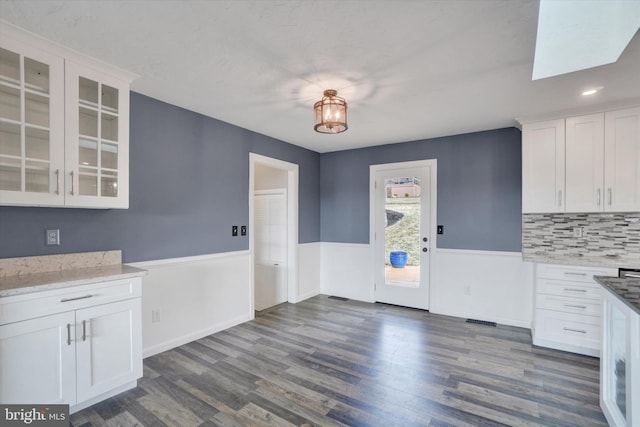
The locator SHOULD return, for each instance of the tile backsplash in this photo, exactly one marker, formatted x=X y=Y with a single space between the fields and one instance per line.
x=615 y=235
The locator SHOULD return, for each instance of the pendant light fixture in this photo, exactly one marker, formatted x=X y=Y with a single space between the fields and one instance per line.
x=331 y=113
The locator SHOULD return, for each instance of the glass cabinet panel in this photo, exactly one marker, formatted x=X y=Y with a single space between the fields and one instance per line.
x=618 y=362
x=25 y=116
x=98 y=127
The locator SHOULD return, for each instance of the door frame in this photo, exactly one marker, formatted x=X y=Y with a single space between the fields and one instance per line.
x=433 y=207
x=292 y=223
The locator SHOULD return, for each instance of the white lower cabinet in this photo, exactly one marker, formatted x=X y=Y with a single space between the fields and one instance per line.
x=620 y=364
x=568 y=306
x=75 y=357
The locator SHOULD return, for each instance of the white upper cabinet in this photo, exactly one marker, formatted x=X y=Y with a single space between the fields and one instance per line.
x=31 y=125
x=97 y=134
x=64 y=126
x=622 y=160
x=543 y=148
x=584 y=173
x=589 y=163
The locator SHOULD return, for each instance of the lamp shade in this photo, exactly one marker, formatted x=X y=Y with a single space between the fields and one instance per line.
x=330 y=113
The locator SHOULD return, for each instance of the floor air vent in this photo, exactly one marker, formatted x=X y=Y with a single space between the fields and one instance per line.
x=482 y=322
x=339 y=298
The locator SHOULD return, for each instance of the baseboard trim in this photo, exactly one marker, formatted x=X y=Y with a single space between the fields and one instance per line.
x=176 y=342
x=307 y=296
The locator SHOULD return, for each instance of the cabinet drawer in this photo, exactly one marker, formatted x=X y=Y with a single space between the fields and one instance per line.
x=569 y=289
x=569 y=305
x=36 y=304
x=567 y=329
x=573 y=273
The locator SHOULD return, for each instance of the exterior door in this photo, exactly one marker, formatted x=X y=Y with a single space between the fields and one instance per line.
x=402 y=237
x=270 y=248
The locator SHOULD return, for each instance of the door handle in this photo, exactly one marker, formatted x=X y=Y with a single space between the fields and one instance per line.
x=57 y=181
x=84 y=330
x=610 y=196
x=72 y=184
x=598 y=197
x=68 y=333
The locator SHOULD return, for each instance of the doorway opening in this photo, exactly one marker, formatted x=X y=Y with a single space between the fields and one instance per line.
x=273 y=231
x=403 y=218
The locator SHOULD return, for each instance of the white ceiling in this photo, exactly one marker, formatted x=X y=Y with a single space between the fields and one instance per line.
x=409 y=69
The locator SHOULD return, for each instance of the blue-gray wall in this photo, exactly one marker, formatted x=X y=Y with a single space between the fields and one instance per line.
x=189 y=184
x=479 y=189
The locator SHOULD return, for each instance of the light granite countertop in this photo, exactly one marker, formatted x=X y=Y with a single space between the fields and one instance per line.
x=627 y=289
x=36 y=282
x=589 y=261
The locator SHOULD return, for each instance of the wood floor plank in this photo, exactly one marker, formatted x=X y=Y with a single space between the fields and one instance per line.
x=326 y=362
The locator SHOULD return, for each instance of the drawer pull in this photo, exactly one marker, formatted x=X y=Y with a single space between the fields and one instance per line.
x=571 y=273
x=76 y=298
x=68 y=333
x=574 y=290
x=576 y=306
x=84 y=330
x=575 y=330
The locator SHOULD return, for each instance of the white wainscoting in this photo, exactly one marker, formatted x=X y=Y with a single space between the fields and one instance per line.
x=346 y=271
x=196 y=296
x=499 y=284
x=309 y=285
x=483 y=285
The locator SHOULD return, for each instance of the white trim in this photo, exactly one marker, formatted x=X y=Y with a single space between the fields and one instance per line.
x=478 y=252
x=292 y=170
x=308 y=295
x=433 y=205
x=346 y=245
x=195 y=258
x=176 y=342
x=10 y=30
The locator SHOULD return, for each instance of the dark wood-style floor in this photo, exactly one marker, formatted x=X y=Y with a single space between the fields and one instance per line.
x=327 y=362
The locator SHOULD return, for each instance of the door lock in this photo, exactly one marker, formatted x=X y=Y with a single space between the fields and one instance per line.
x=424 y=249
x=424 y=239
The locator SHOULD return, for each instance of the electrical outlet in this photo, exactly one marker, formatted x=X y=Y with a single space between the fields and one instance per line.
x=234 y=230
x=243 y=230
x=441 y=229
x=53 y=237
x=578 y=232
x=155 y=315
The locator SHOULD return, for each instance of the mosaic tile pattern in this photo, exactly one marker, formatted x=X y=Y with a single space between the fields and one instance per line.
x=615 y=236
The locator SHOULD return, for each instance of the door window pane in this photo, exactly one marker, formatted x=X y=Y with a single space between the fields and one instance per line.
x=88 y=91
x=10 y=174
x=36 y=177
x=109 y=156
x=402 y=231
x=9 y=103
x=36 y=109
x=36 y=143
x=9 y=66
x=109 y=184
x=10 y=139
x=88 y=122
x=88 y=182
x=36 y=75
x=109 y=127
x=109 y=98
x=88 y=152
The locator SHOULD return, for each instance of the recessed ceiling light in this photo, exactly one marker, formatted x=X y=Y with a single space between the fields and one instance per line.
x=590 y=92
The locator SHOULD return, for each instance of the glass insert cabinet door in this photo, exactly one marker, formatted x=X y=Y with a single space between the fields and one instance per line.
x=97 y=138
x=31 y=125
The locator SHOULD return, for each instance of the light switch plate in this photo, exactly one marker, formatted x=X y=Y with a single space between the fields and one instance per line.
x=53 y=237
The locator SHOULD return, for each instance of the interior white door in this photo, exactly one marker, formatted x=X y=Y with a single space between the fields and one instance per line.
x=402 y=237
x=270 y=223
